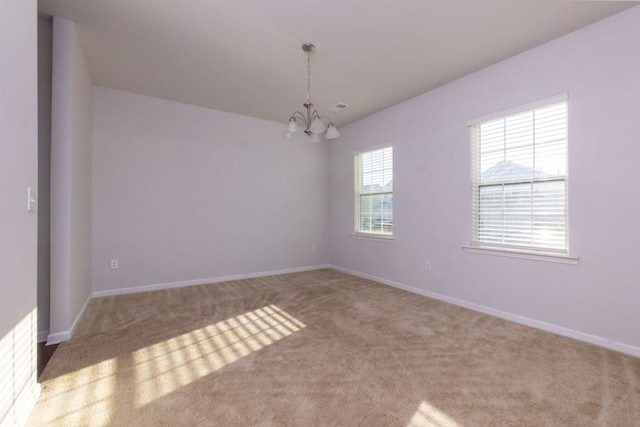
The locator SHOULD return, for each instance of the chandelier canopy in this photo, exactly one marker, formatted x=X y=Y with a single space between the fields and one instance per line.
x=312 y=123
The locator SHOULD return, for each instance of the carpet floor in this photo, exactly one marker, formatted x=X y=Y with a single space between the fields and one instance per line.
x=323 y=348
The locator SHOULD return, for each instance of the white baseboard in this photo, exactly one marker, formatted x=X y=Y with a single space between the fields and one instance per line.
x=58 y=337
x=43 y=335
x=159 y=286
x=538 y=324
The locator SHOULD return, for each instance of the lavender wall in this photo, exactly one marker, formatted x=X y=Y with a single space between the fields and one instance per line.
x=70 y=182
x=18 y=227
x=596 y=300
x=45 y=41
x=184 y=194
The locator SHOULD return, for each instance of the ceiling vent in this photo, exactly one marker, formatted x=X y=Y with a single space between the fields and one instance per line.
x=338 y=107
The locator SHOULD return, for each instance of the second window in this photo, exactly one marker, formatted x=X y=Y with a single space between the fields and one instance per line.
x=374 y=192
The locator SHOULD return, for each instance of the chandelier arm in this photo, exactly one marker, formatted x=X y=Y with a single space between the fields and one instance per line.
x=305 y=120
x=321 y=117
x=298 y=115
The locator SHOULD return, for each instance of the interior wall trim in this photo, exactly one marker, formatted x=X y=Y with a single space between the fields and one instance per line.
x=43 y=335
x=60 y=336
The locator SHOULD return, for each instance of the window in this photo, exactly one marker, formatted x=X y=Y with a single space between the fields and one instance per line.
x=374 y=192
x=519 y=179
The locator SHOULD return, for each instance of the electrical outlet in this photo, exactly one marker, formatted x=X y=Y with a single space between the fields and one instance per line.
x=427 y=266
x=314 y=248
x=114 y=264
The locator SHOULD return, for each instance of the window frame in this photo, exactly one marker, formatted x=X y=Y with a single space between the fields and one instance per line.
x=357 y=231
x=544 y=253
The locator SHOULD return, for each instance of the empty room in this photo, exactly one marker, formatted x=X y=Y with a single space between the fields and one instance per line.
x=339 y=213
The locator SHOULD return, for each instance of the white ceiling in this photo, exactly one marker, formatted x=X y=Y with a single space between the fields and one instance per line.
x=245 y=56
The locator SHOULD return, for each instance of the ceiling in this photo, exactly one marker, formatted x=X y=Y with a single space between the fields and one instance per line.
x=245 y=56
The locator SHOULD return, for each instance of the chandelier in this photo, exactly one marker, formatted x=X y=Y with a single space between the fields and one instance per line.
x=311 y=121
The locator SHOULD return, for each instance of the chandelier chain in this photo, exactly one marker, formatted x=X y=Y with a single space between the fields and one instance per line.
x=308 y=77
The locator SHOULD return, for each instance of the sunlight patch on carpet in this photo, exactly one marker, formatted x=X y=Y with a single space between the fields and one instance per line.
x=83 y=397
x=87 y=396
x=165 y=367
x=429 y=416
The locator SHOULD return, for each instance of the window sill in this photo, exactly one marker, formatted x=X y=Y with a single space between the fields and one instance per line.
x=523 y=254
x=373 y=237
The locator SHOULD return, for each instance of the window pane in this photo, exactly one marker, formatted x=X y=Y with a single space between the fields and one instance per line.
x=519 y=167
x=549 y=214
x=517 y=214
x=374 y=198
x=491 y=214
x=376 y=213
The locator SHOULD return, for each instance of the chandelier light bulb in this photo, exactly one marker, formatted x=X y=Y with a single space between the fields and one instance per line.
x=317 y=126
x=293 y=125
x=332 y=132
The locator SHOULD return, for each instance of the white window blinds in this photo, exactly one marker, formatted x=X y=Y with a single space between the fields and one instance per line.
x=519 y=180
x=374 y=192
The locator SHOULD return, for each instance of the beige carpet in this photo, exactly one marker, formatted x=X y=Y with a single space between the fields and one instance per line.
x=324 y=348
